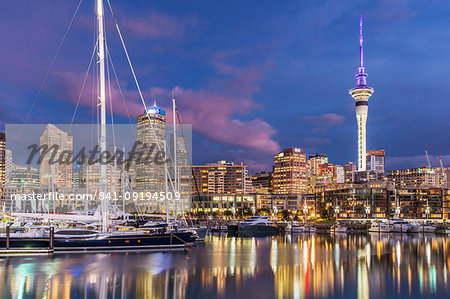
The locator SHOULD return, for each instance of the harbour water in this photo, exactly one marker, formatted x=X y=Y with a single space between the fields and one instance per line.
x=284 y=266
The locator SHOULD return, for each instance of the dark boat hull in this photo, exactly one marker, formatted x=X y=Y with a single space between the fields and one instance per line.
x=258 y=230
x=109 y=243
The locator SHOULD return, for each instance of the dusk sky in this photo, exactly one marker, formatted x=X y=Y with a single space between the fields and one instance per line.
x=252 y=77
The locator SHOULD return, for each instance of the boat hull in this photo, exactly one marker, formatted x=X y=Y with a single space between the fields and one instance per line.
x=379 y=230
x=397 y=228
x=427 y=229
x=107 y=243
x=258 y=230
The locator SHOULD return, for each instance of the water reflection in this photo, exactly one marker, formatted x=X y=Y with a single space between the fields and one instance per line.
x=287 y=266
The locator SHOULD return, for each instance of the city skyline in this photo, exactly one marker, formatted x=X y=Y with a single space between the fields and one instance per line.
x=233 y=89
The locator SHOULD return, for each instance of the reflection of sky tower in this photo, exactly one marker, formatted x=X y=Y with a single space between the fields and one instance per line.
x=361 y=93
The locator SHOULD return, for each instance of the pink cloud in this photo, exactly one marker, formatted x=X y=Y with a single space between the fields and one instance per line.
x=326 y=120
x=211 y=113
x=156 y=25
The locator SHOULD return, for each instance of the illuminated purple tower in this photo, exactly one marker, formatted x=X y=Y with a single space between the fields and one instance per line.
x=361 y=93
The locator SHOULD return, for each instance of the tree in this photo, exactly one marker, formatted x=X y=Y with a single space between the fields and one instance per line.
x=200 y=214
x=263 y=212
x=228 y=213
x=247 y=212
x=284 y=215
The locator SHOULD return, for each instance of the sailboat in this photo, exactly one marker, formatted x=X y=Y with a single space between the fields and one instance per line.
x=83 y=240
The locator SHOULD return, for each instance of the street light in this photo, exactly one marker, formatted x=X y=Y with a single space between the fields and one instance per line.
x=367 y=211
x=427 y=211
x=305 y=212
x=336 y=211
x=397 y=211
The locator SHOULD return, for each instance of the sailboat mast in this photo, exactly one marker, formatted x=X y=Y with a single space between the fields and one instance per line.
x=175 y=174
x=102 y=98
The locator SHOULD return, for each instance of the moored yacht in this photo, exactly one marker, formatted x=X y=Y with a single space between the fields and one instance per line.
x=296 y=228
x=339 y=227
x=379 y=226
x=82 y=240
x=426 y=228
x=398 y=225
x=258 y=225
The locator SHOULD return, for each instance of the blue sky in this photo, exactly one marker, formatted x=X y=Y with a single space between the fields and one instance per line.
x=252 y=77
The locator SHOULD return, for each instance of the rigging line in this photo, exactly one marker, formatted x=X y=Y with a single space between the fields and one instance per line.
x=82 y=87
x=48 y=72
x=121 y=93
x=139 y=89
x=110 y=94
x=190 y=160
x=128 y=57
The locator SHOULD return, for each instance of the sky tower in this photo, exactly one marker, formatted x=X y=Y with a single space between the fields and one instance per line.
x=361 y=93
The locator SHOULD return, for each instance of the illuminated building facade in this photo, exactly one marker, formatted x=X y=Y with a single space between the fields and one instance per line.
x=354 y=199
x=279 y=202
x=375 y=160
x=220 y=178
x=314 y=162
x=263 y=182
x=349 y=172
x=24 y=178
x=326 y=174
x=58 y=174
x=2 y=164
x=151 y=138
x=290 y=172
x=219 y=203
x=418 y=177
x=361 y=94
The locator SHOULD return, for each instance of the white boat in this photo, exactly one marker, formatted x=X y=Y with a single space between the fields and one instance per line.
x=339 y=227
x=426 y=228
x=299 y=229
x=379 y=226
x=398 y=225
x=413 y=228
x=256 y=220
x=257 y=225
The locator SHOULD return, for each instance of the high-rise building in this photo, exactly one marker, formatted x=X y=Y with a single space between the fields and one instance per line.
x=24 y=178
x=88 y=177
x=290 y=172
x=375 y=160
x=262 y=182
x=361 y=93
x=58 y=173
x=315 y=161
x=2 y=164
x=8 y=165
x=326 y=174
x=349 y=172
x=220 y=178
x=182 y=150
x=151 y=136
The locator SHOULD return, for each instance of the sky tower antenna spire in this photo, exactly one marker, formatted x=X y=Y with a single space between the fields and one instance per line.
x=361 y=49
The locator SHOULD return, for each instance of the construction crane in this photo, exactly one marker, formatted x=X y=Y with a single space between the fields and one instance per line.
x=440 y=161
x=428 y=159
